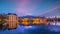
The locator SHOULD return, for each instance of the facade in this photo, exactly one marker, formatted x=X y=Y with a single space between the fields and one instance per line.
x=12 y=21
x=36 y=21
x=39 y=21
x=25 y=21
x=33 y=20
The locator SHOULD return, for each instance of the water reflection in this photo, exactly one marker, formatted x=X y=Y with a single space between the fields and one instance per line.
x=33 y=29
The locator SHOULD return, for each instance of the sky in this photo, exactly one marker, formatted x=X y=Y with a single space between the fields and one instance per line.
x=31 y=7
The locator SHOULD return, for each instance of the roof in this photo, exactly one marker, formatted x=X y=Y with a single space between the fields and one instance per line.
x=11 y=14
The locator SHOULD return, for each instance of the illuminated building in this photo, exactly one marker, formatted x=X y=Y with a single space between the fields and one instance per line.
x=39 y=21
x=36 y=21
x=43 y=20
x=25 y=21
x=12 y=21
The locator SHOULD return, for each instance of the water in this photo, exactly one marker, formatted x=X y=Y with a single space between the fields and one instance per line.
x=33 y=29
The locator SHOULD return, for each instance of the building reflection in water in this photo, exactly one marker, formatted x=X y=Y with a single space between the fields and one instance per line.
x=12 y=20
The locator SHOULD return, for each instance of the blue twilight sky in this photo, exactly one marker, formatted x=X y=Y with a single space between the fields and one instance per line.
x=31 y=7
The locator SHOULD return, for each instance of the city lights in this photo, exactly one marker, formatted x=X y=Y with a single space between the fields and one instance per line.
x=12 y=20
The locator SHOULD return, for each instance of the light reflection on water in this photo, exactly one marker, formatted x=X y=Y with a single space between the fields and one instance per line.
x=21 y=29
x=32 y=28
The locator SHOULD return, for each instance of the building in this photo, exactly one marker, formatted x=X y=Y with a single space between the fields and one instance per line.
x=39 y=21
x=25 y=21
x=12 y=21
x=36 y=21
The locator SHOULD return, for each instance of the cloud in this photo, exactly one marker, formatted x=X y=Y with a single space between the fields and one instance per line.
x=49 y=10
x=23 y=7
